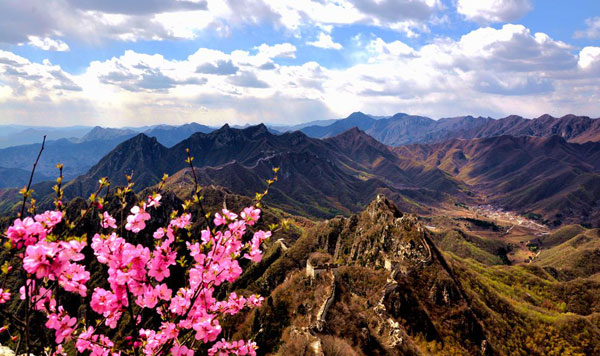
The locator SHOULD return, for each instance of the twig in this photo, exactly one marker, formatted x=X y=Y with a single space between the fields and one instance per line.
x=26 y=193
x=197 y=190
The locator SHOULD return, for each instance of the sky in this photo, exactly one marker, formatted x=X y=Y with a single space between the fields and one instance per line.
x=145 y=62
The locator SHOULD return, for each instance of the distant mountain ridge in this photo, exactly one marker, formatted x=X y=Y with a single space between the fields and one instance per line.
x=537 y=168
x=402 y=129
x=169 y=135
x=78 y=154
x=17 y=177
x=550 y=176
x=319 y=178
x=106 y=133
x=77 y=157
x=18 y=135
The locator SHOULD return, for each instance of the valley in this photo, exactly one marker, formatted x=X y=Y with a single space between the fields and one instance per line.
x=520 y=235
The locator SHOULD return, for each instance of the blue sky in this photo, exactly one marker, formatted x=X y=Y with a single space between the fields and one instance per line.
x=118 y=63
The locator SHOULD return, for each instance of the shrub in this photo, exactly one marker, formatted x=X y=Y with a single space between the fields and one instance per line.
x=134 y=305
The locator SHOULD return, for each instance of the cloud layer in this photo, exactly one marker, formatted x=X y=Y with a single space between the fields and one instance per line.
x=486 y=71
x=492 y=11
x=97 y=21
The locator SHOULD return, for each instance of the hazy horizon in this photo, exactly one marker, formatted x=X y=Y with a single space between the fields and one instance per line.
x=316 y=121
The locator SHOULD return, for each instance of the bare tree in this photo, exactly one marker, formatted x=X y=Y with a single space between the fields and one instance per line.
x=334 y=346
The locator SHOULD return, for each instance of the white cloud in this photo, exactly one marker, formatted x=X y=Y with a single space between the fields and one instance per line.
x=281 y=50
x=90 y=20
x=491 y=11
x=48 y=44
x=5 y=92
x=35 y=80
x=589 y=59
x=512 y=48
x=389 y=50
x=325 y=41
x=408 y=16
x=485 y=72
x=592 y=30
x=96 y=21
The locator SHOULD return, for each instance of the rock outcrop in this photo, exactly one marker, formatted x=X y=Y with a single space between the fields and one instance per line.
x=422 y=296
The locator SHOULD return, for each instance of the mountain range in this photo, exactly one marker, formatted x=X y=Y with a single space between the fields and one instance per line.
x=536 y=167
x=78 y=154
x=402 y=129
x=16 y=135
x=319 y=178
x=93 y=143
x=546 y=175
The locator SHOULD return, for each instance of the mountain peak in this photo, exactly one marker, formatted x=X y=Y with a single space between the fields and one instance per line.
x=139 y=142
x=513 y=117
x=105 y=133
x=257 y=130
x=249 y=132
x=353 y=136
x=546 y=117
x=382 y=205
x=357 y=115
x=353 y=131
x=399 y=115
x=141 y=138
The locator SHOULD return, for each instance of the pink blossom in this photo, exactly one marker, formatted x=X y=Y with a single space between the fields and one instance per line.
x=255 y=254
x=62 y=323
x=108 y=221
x=136 y=222
x=159 y=234
x=103 y=301
x=229 y=215
x=255 y=300
x=207 y=328
x=30 y=283
x=85 y=339
x=182 y=221
x=250 y=215
x=36 y=260
x=135 y=273
x=59 y=351
x=178 y=350
x=159 y=265
x=49 y=218
x=4 y=295
x=225 y=348
x=154 y=200
x=25 y=232
x=74 y=279
x=220 y=220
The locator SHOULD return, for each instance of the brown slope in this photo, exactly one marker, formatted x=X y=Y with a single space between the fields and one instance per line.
x=380 y=160
x=570 y=127
x=141 y=156
x=309 y=185
x=421 y=303
x=320 y=178
x=432 y=303
x=549 y=176
x=403 y=129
